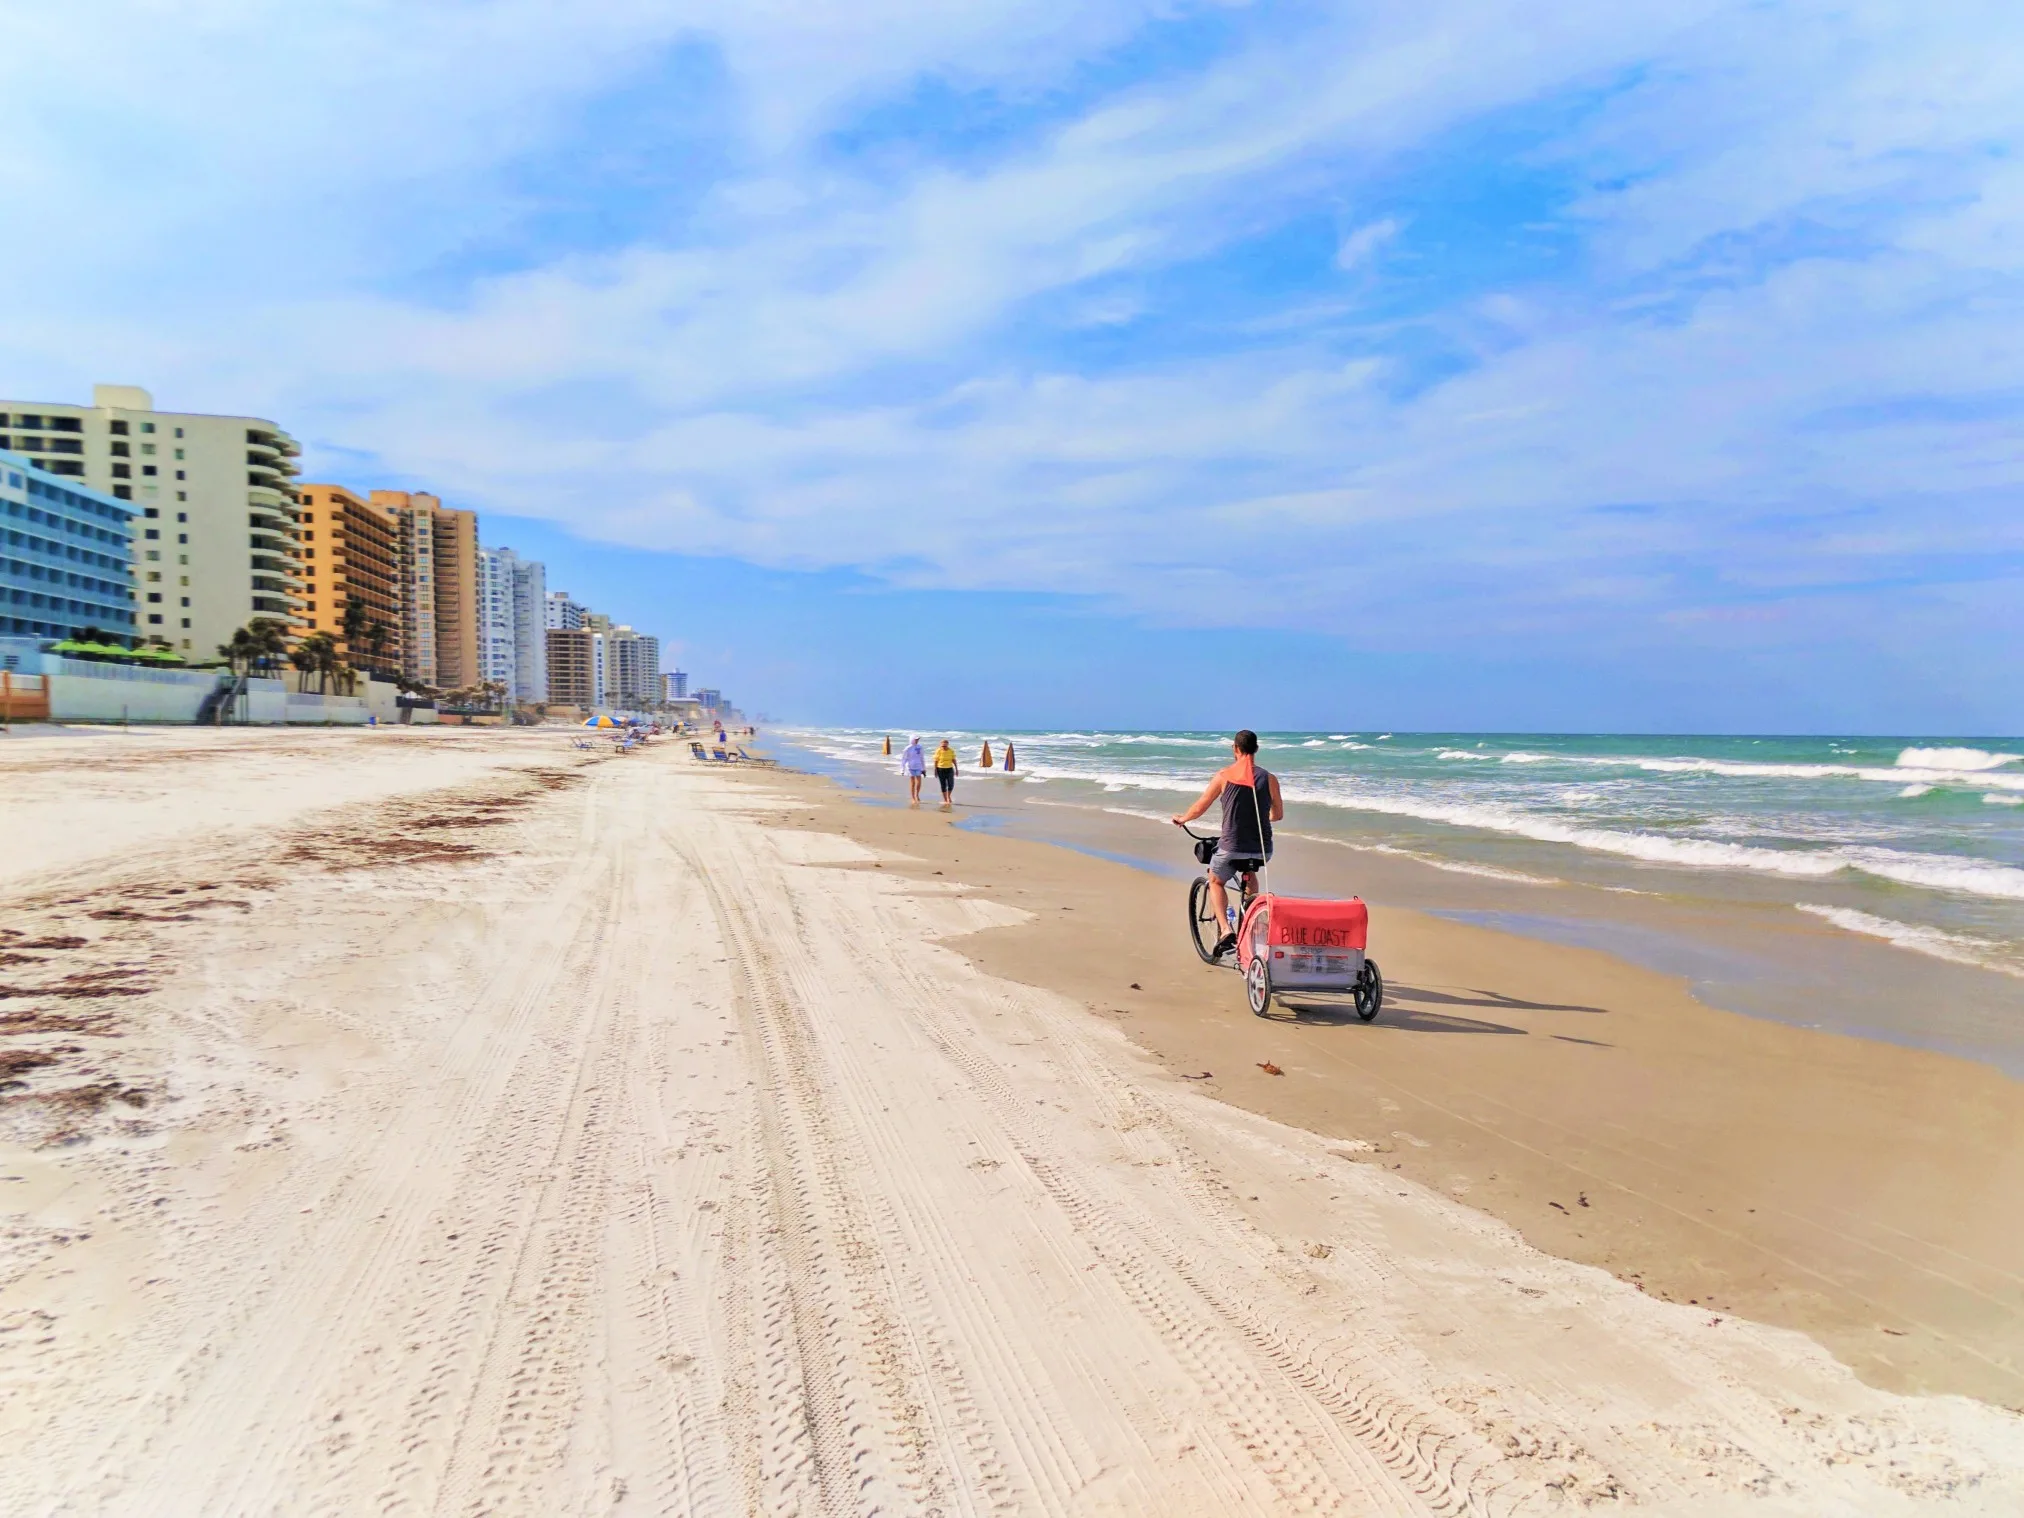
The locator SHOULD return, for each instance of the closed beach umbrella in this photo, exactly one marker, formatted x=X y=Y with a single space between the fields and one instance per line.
x=985 y=761
x=889 y=746
x=1011 y=760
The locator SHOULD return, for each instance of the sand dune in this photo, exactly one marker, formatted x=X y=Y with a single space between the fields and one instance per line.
x=570 y=1140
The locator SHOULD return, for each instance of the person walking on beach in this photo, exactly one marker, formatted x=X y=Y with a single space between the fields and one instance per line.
x=1251 y=804
x=945 y=773
x=913 y=764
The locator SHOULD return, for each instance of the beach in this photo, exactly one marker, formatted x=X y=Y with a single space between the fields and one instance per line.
x=454 y=1120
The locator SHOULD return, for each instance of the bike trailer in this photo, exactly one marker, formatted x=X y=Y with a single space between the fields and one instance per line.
x=1294 y=945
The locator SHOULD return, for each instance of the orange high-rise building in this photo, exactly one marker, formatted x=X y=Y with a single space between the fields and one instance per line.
x=351 y=552
x=438 y=549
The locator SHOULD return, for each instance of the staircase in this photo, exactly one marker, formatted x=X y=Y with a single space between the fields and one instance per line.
x=217 y=708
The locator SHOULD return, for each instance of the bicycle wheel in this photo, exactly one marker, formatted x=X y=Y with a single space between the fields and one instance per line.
x=1369 y=990
x=1204 y=926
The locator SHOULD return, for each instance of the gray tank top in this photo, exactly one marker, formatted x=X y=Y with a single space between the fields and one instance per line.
x=1247 y=830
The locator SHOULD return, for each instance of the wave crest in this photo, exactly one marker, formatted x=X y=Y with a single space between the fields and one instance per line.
x=1966 y=760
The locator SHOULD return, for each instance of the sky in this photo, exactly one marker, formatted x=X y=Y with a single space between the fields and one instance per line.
x=1453 y=364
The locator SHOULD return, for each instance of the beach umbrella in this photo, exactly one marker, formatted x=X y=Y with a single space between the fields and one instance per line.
x=1011 y=760
x=600 y=720
x=984 y=760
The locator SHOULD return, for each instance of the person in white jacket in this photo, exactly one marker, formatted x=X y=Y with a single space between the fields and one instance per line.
x=913 y=764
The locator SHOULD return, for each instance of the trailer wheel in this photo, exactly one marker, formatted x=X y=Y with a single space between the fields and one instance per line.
x=1369 y=990
x=1258 y=986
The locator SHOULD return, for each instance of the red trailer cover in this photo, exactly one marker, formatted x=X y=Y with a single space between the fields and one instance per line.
x=1299 y=923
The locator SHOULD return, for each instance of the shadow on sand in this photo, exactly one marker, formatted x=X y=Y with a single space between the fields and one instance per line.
x=1398 y=1013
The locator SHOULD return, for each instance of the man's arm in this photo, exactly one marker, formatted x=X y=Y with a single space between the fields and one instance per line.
x=1202 y=803
x=1278 y=805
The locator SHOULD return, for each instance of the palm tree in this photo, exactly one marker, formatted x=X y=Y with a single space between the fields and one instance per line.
x=317 y=654
x=242 y=652
x=353 y=622
x=376 y=640
x=271 y=639
x=304 y=659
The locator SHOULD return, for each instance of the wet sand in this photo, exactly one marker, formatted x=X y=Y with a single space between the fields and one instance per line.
x=1859 y=1191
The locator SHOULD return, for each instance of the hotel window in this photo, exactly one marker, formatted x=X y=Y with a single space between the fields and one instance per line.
x=179 y=433
x=148 y=449
x=186 y=602
x=147 y=469
x=119 y=429
x=148 y=427
x=179 y=495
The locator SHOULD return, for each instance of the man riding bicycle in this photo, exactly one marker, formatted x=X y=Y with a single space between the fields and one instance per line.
x=1251 y=804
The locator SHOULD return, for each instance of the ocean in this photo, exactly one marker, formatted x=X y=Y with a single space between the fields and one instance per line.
x=1910 y=843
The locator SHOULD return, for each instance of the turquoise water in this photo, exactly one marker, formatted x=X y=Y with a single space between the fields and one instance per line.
x=1917 y=843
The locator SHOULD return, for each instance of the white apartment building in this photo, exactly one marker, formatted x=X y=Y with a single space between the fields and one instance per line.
x=559 y=612
x=530 y=642
x=215 y=516
x=512 y=645
x=498 y=643
x=675 y=685
x=635 y=668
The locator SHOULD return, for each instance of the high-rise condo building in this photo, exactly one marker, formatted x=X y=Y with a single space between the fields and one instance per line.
x=216 y=492
x=497 y=646
x=439 y=587
x=351 y=551
x=572 y=679
x=634 y=665
x=530 y=636
x=512 y=641
x=560 y=611
x=675 y=685
x=66 y=556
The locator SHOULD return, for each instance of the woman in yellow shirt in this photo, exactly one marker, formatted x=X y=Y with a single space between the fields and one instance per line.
x=945 y=773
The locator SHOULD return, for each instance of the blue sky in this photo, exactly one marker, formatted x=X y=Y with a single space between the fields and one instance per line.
x=1445 y=365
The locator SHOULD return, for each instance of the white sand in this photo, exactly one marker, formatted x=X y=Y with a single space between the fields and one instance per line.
x=663 y=1163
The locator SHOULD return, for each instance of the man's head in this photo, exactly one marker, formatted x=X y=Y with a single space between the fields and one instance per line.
x=1246 y=742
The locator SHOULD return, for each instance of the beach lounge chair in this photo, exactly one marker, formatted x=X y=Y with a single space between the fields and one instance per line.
x=755 y=759
x=697 y=750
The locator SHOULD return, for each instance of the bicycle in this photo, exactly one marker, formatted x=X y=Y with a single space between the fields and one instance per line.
x=1203 y=925
x=1317 y=946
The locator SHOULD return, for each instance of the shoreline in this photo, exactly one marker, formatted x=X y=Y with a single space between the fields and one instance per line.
x=1819 y=1180
x=1739 y=941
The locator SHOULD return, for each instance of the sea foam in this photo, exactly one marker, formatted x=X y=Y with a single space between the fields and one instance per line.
x=1955 y=948
x=1972 y=760
x=1934 y=871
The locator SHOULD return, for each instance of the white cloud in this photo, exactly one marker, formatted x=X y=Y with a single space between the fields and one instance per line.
x=1361 y=245
x=1799 y=220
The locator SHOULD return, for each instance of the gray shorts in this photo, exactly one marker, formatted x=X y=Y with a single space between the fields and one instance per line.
x=1226 y=867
